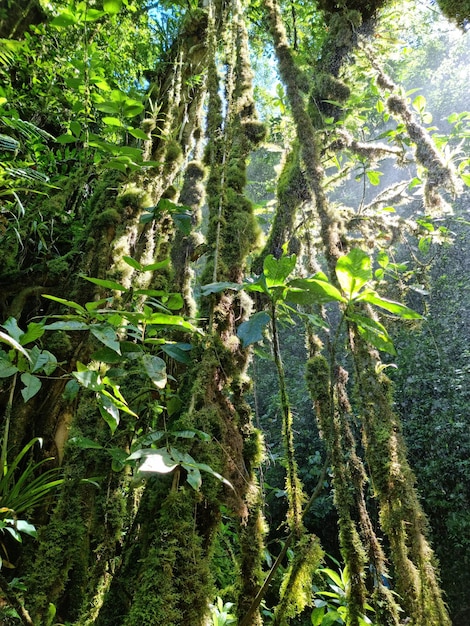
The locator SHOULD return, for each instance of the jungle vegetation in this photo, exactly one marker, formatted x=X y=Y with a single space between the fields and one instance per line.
x=234 y=313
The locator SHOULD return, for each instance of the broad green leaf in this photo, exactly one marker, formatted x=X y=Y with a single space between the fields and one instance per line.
x=7 y=368
x=32 y=385
x=389 y=305
x=112 y=7
x=317 y=616
x=25 y=527
x=67 y=325
x=183 y=222
x=71 y=390
x=42 y=360
x=252 y=330
x=419 y=103
x=88 y=378
x=113 y=121
x=14 y=331
x=156 y=266
x=374 y=177
x=66 y=138
x=107 y=335
x=353 y=271
x=137 y=133
x=66 y=18
x=68 y=303
x=93 y=14
x=321 y=290
x=107 y=355
x=154 y=461
x=84 y=443
x=133 y=263
x=107 y=284
x=131 y=110
x=335 y=577
x=277 y=270
x=109 y=411
x=156 y=370
x=206 y=290
x=466 y=179
x=33 y=332
x=170 y=320
x=373 y=332
x=175 y=352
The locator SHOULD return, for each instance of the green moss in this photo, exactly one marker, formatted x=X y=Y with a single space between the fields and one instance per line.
x=107 y=218
x=318 y=378
x=134 y=197
x=173 y=152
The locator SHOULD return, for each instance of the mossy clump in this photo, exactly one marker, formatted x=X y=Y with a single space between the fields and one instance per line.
x=254 y=131
x=106 y=219
x=318 y=377
x=236 y=177
x=173 y=152
x=133 y=197
x=253 y=448
x=366 y=8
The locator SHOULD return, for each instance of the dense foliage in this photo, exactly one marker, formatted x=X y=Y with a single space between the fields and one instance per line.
x=233 y=245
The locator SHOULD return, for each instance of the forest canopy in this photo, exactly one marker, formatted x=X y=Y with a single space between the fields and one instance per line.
x=233 y=313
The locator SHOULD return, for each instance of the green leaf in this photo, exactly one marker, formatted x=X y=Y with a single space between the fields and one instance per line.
x=84 y=443
x=66 y=138
x=389 y=305
x=131 y=110
x=155 y=368
x=109 y=411
x=25 y=527
x=32 y=385
x=107 y=284
x=133 y=263
x=154 y=461
x=113 y=121
x=88 y=378
x=112 y=7
x=176 y=352
x=14 y=331
x=277 y=270
x=42 y=360
x=67 y=325
x=7 y=368
x=207 y=290
x=373 y=332
x=374 y=177
x=317 y=616
x=252 y=330
x=321 y=291
x=137 y=133
x=33 y=332
x=183 y=222
x=466 y=179
x=68 y=303
x=156 y=266
x=107 y=335
x=353 y=271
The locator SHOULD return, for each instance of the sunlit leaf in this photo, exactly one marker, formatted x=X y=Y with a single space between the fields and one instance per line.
x=353 y=271
x=389 y=305
x=277 y=270
x=112 y=7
